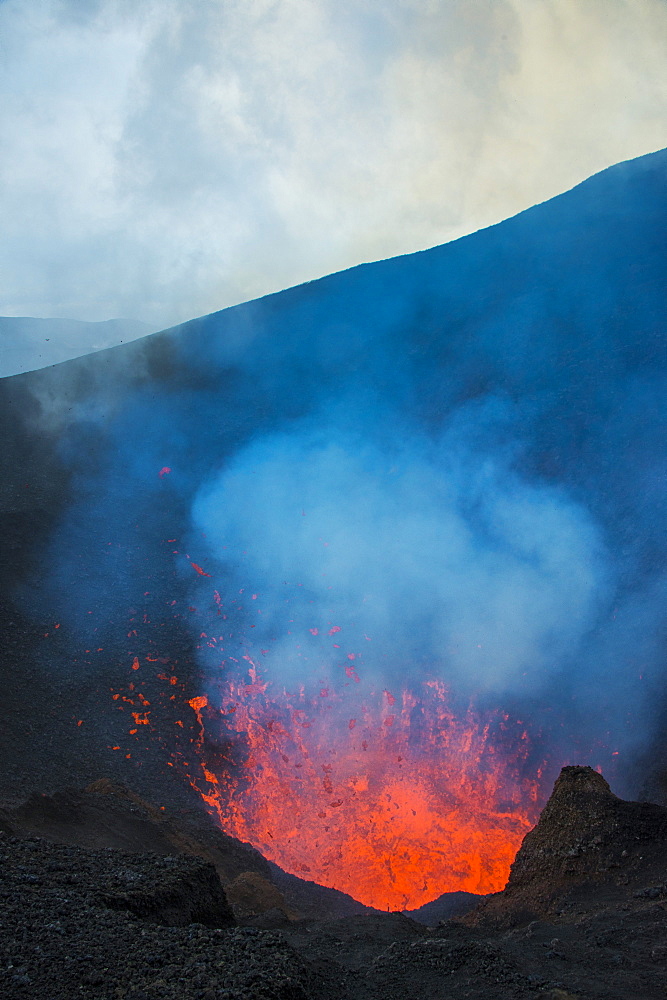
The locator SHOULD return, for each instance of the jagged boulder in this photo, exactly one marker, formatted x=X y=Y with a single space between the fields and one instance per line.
x=175 y=890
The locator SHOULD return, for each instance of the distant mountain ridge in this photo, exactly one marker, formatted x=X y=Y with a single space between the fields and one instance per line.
x=28 y=343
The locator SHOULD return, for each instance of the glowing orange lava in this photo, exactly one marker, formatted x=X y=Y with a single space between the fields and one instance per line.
x=395 y=804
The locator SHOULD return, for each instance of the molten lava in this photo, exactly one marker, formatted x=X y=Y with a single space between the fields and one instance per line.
x=395 y=804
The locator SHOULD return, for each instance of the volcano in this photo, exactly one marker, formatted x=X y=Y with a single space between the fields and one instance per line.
x=360 y=565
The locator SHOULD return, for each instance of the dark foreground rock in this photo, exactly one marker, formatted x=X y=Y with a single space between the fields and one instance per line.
x=78 y=923
x=446 y=907
x=584 y=917
x=107 y=814
x=587 y=831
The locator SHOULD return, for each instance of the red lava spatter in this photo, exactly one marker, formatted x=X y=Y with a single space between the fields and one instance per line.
x=395 y=806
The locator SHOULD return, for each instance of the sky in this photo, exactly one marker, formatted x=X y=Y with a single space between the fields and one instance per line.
x=162 y=160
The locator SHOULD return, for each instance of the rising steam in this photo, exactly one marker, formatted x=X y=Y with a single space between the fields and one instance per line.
x=428 y=555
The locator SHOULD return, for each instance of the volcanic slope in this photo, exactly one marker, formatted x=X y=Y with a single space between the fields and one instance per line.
x=518 y=375
x=583 y=916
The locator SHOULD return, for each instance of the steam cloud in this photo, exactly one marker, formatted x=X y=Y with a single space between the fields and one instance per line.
x=429 y=556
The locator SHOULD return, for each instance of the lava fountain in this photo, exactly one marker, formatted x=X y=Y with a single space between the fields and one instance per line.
x=395 y=804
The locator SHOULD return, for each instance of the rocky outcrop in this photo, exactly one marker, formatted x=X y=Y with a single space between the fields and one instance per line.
x=586 y=830
x=588 y=844
x=108 y=814
x=82 y=923
x=445 y=907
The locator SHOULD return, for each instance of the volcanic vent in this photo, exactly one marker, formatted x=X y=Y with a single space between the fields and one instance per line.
x=395 y=807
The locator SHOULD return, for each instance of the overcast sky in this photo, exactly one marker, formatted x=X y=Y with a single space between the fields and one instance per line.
x=161 y=159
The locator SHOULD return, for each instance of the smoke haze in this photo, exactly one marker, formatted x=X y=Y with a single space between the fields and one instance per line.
x=441 y=557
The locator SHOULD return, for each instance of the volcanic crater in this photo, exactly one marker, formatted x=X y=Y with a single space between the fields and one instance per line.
x=331 y=585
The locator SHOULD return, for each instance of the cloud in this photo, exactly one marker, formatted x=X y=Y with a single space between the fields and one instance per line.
x=161 y=161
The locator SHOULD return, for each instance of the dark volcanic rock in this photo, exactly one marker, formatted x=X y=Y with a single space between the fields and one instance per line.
x=313 y=901
x=585 y=829
x=583 y=916
x=470 y=968
x=172 y=890
x=353 y=943
x=169 y=890
x=588 y=844
x=107 y=814
x=59 y=939
x=253 y=896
